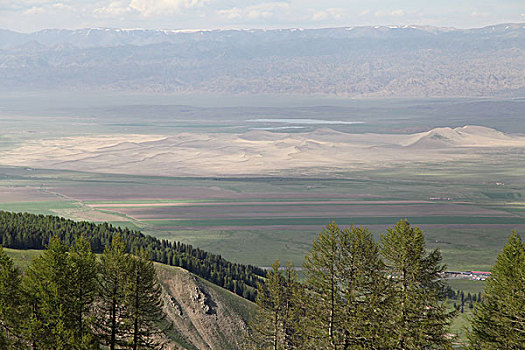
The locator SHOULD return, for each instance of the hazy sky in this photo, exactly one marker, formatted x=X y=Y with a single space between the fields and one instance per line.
x=31 y=15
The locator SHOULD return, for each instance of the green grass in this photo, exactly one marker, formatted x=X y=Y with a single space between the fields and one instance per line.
x=466 y=285
x=22 y=258
x=459 y=327
x=468 y=248
x=40 y=207
x=460 y=323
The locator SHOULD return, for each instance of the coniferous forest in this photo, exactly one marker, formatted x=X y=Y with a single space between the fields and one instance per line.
x=362 y=294
x=69 y=299
x=29 y=231
x=357 y=293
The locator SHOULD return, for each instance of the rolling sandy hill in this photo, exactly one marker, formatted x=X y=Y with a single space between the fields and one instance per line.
x=467 y=136
x=257 y=152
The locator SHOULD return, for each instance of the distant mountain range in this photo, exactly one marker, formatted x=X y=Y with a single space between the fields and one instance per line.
x=391 y=61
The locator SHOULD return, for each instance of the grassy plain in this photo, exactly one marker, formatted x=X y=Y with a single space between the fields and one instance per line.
x=256 y=220
x=22 y=258
x=460 y=323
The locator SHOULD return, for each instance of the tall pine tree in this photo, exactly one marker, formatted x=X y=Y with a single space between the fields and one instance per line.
x=47 y=287
x=112 y=312
x=83 y=291
x=11 y=307
x=350 y=298
x=144 y=303
x=368 y=294
x=421 y=320
x=325 y=281
x=278 y=320
x=294 y=311
x=499 y=321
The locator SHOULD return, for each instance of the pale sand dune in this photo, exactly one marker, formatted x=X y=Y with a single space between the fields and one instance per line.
x=467 y=136
x=255 y=152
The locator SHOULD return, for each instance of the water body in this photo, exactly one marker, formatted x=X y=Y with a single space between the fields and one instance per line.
x=279 y=128
x=304 y=121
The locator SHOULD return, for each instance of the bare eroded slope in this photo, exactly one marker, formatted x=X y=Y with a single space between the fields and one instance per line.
x=204 y=316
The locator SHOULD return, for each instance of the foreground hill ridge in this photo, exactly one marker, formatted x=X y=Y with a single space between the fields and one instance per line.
x=374 y=61
x=257 y=152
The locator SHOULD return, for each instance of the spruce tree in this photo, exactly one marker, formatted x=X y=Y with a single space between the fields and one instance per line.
x=498 y=321
x=144 y=303
x=278 y=320
x=59 y=290
x=47 y=286
x=266 y=331
x=11 y=307
x=112 y=312
x=421 y=319
x=294 y=311
x=83 y=291
x=324 y=279
x=350 y=298
x=368 y=294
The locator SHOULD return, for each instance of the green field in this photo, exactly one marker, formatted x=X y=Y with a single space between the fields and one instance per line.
x=22 y=258
x=461 y=322
x=256 y=220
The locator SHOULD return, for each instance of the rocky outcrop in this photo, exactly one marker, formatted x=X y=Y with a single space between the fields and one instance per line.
x=203 y=316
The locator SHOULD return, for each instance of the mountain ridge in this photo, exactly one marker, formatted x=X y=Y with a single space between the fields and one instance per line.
x=61 y=35
x=380 y=61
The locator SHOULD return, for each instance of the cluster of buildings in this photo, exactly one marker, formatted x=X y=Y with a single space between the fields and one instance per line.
x=472 y=275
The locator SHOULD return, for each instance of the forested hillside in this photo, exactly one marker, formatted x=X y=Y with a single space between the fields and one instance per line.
x=69 y=299
x=29 y=231
x=357 y=293
x=197 y=313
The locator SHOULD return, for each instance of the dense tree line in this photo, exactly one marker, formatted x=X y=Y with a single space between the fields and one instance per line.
x=67 y=299
x=29 y=231
x=358 y=294
x=462 y=300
